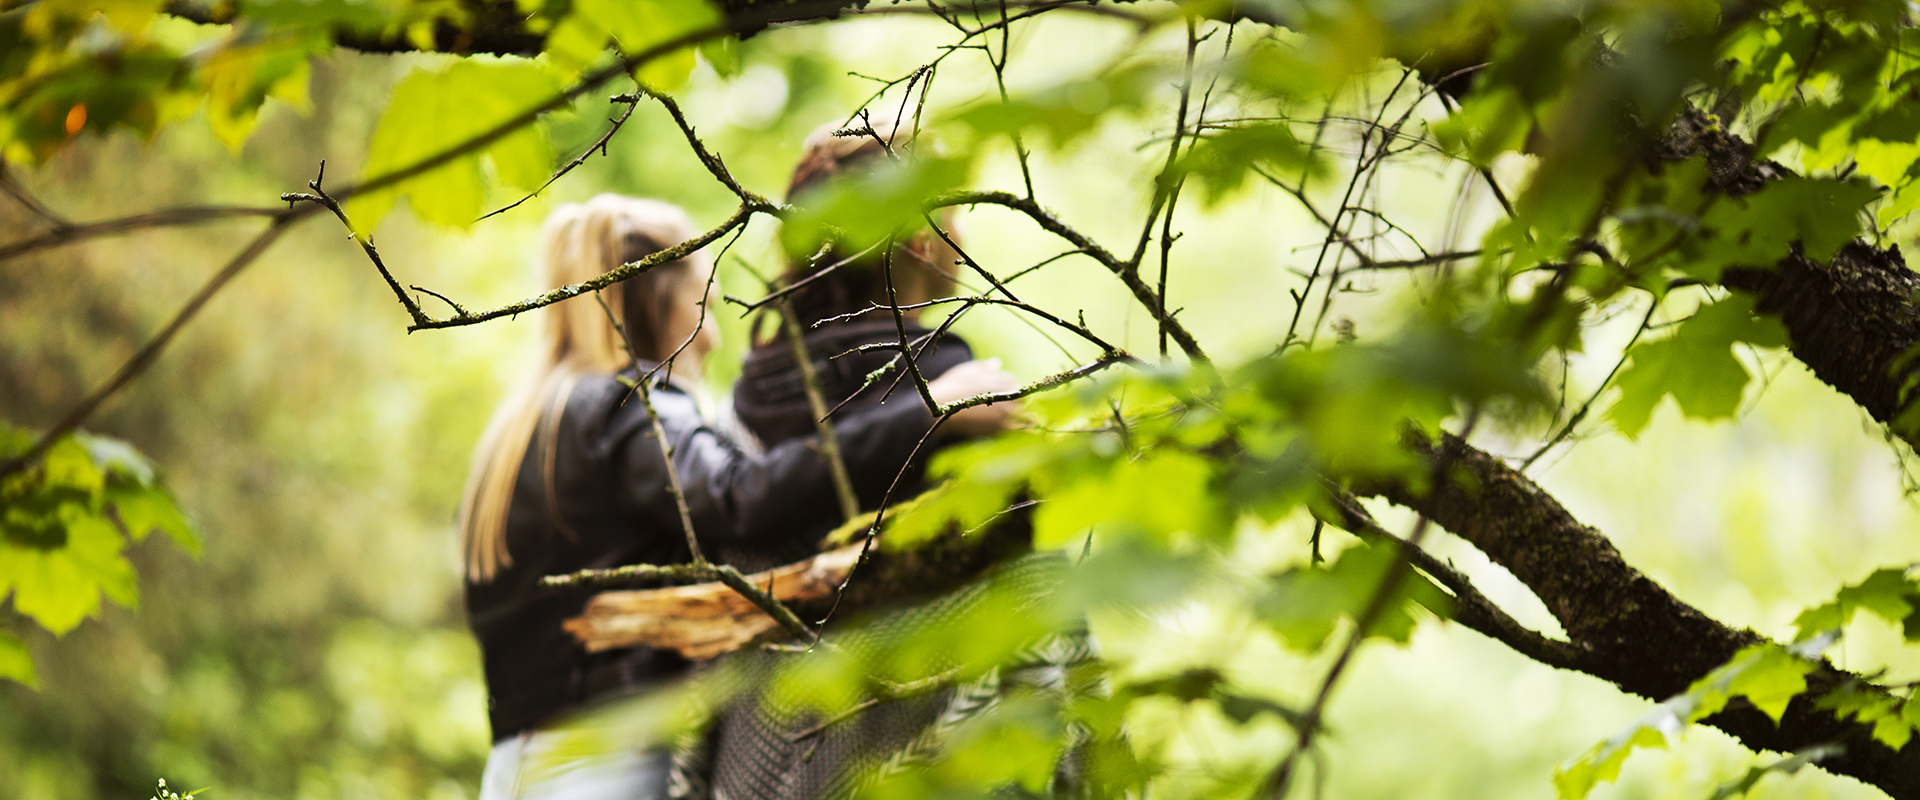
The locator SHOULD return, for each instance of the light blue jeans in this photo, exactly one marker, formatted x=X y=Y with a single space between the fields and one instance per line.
x=528 y=767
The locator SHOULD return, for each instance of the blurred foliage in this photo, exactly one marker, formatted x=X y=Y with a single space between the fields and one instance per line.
x=317 y=648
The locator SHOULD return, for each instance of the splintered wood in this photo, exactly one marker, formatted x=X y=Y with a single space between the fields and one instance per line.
x=706 y=619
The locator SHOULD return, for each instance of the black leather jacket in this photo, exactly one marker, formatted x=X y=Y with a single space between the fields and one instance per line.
x=610 y=507
x=770 y=401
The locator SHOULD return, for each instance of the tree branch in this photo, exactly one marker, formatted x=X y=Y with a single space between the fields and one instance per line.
x=1624 y=627
x=145 y=356
x=1853 y=320
x=1142 y=293
x=164 y=218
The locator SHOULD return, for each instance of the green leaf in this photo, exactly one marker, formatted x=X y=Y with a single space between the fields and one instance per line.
x=666 y=72
x=1767 y=674
x=60 y=587
x=1488 y=124
x=1575 y=779
x=864 y=209
x=142 y=511
x=241 y=76
x=1129 y=573
x=1223 y=160
x=432 y=111
x=1889 y=593
x=637 y=25
x=1869 y=706
x=1161 y=494
x=1066 y=111
x=16 y=662
x=1785 y=766
x=1696 y=365
x=1755 y=230
x=1772 y=681
x=723 y=54
x=1303 y=604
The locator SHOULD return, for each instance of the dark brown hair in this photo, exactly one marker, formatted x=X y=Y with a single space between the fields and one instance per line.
x=922 y=264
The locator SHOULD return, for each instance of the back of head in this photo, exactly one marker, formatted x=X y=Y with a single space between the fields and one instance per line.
x=580 y=242
x=921 y=263
x=584 y=240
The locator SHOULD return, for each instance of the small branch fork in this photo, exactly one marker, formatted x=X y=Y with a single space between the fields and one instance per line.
x=1126 y=270
x=366 y=245
x=598 y=146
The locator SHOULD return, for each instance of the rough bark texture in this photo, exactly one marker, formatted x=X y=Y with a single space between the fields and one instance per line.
x=1852 y=320
x=1625 y=627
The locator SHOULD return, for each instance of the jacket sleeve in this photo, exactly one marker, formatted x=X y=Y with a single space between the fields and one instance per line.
x=738 y=498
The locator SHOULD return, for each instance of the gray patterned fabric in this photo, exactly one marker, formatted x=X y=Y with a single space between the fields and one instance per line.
x=764 y=749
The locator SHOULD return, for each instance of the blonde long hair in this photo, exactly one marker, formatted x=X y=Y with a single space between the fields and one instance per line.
x=581 y=241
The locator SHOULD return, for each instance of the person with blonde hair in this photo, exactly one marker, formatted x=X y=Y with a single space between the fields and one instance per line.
x=570 y=476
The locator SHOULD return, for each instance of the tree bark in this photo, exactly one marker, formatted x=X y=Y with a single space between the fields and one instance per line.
x=1626 y=628
x=1852 y=320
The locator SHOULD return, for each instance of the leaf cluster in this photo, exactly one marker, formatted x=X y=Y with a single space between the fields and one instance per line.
x=65 y=523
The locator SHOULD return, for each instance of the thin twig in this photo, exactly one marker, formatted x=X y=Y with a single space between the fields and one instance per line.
x=1178 y=183
x=366 y=245
x=601 y=281
x=32 y=204
x=630 y=575
x=900 y=327
x=164 y=218
x=645 y=393
x=1142 y=293
x=1425 y=261
x=600 y=145
x=714 y=165
x=812 y=275
x=1581 y=414
x=968 y=302
x=699 y=323
x=829 y=440
x=1377 y=605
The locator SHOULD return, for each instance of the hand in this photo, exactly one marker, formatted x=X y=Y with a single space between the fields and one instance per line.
x=968 y=380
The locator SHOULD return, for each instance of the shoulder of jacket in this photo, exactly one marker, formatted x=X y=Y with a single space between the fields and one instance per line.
x=612 y=400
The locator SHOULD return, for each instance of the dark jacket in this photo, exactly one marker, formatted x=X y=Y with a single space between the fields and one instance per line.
x=771 y=400
x=762 y=751
x=612 y=506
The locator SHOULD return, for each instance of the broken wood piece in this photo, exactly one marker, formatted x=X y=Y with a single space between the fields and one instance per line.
x=706 y=619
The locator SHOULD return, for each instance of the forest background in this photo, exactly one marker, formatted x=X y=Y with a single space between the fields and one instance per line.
x=315 y=646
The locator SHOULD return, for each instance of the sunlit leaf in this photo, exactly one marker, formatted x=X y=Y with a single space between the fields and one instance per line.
x=1302 y=605
x=1067 y=111
x=16 y=662
x=639 y=25
x=1696 y=365
x=1784 y=766
x=242 y=76
x=434 y=110
x=1755 y=230
x=1224 y=160
x=1889 y=593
